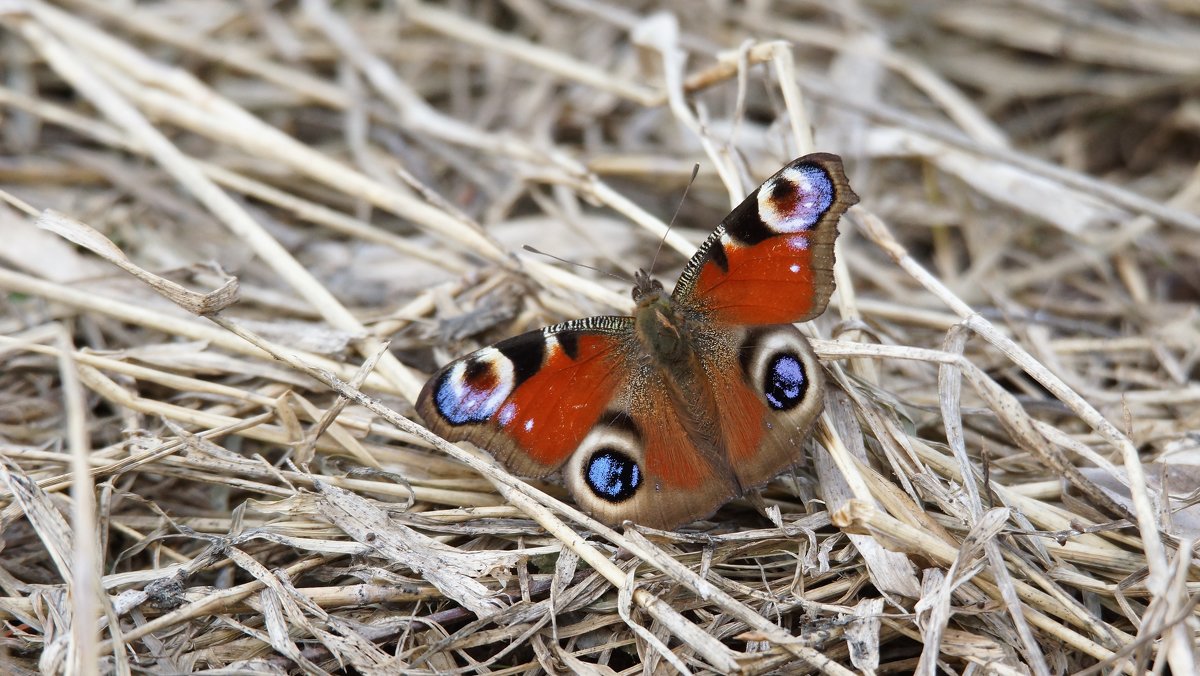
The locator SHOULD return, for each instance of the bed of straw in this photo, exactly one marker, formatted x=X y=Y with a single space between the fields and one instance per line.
x=236 y=237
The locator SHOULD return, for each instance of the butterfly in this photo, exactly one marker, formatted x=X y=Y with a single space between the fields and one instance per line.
x=662 y=417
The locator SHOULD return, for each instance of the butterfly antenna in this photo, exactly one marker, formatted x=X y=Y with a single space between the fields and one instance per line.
x=576 y=263
x=671 y=223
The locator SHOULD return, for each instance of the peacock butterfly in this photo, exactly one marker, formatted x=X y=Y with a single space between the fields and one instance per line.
x=662 y=417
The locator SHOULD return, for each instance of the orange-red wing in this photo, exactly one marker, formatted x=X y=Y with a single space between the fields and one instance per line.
x=767 y=398
x=771 y=260
x=772 y=282
x=742 y=415
x=531 y=399
x=669 y=456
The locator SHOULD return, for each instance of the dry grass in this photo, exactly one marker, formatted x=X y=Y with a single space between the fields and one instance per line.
x=1015 y=341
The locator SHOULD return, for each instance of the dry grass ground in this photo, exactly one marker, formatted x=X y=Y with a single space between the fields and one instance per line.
x=235 y=236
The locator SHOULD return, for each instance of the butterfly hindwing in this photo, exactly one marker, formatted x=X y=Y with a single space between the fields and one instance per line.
x=770 y=397
x=770 y=261
x=640 y=464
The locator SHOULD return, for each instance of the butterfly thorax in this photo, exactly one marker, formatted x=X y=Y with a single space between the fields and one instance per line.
x=659 y=323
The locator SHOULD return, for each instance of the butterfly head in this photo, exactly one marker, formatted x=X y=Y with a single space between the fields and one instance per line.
x=646 y=289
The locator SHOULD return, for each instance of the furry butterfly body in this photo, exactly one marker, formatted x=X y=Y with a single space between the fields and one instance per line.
x=662 y=417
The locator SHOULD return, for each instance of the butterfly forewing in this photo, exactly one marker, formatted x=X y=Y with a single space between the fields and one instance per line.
x=531 y=399
x=770 y=261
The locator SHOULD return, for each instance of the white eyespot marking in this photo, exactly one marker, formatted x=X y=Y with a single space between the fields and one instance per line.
x=507 y=412
x=796 y=199
x=473 y=389
x=552 y=348
x=529 y=424
x=794 y=268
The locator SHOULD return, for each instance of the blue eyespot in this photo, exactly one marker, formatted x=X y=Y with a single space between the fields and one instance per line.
x=469 y=393
x=817 y=191
x=612 y=475
x=785 y=383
